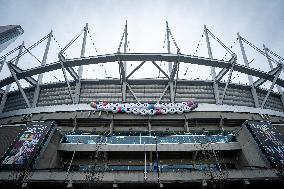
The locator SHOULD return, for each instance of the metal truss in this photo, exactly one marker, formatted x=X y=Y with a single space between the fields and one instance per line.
x=111 y=58
x=174 y=61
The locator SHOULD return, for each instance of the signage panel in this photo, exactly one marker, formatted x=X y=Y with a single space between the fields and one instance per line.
x=22 y=152
x=269 y=140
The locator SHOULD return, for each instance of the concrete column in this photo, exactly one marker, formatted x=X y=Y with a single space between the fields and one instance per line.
x=186 y=129
x=106 y=156
x=149 y=126
x=111 y=127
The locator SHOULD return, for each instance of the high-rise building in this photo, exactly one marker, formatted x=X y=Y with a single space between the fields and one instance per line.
x=8 y=34
x=142 y=133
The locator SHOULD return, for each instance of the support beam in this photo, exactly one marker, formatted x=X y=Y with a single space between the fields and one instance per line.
x=174 y=71
x=80 y=70
x=132 y=92
x=223 y=72
x=135 y=69
x=172 y=92
x=111 y=127
x=253 y=90
x=43 y=62
x=4 y=97
x=75 y=123
x=229 y=79
x=166 y=88
x=161 y=70
x=186 y=129
x=2 y=63
x=123 y=79
x=221 y=123
x=271 y=67
x=272 y=72
x=124 y=91
x=227 y=83
x=271 y=88
x=194 y=155
x=18 y=70
x=125 y=47
x=111 y=58
x=213 y=73
x=122 y=71
x=61 y=59
x=73 y=73
x=19 y=85
x=1 y=66
x=169 y=46
x=149 y=126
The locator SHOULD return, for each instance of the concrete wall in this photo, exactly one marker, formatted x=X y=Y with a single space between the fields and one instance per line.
x=50 y=157
x=7 y=136
x=145 y=90
x=251 y=154
x=138 y=177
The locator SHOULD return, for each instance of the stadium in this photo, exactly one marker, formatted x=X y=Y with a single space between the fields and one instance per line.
x=146 y=133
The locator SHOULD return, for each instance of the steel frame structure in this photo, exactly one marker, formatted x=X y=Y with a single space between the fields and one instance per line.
x=174 y=60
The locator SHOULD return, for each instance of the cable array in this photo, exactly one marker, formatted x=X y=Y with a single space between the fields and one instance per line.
x=58 y=45
x=72 y=41
x=276 y=55
x=10 y=52
x=259 y=50
x=121 y=41
x=195 y=51
x=30 y=48
x=220 y=42
x=174 y=41
x=223 y=58
x=32 y=54
x=92 y=41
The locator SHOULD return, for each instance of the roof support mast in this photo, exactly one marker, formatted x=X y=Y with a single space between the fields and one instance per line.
x=4 y=97
x=169 y=46
x=253 y=90
x=125 y=47
x=271 y=87
x=123 y=66
x=39 y=80
x=271 y=67
x=19 y=86
x=171 y=74
x=213 y=73
x=80 y=70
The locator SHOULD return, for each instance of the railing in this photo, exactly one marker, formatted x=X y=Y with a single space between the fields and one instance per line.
x=173 y=139
x=162 y=168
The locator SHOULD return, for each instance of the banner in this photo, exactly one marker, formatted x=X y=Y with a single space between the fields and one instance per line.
x=146 y=108
x=22 y=152
x=270 y=141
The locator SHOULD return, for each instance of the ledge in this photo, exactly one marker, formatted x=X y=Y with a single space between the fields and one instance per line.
x=85 y=107
x=138 y=177
x=149 y=147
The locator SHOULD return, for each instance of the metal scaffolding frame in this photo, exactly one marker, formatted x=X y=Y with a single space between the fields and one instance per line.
x=174 y=60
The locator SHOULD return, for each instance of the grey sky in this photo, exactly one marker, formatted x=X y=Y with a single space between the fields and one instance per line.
x=257 y=20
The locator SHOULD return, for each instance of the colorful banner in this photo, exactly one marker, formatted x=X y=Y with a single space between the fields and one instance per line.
x=26 y=146
x=145 y=108
x=269 y=140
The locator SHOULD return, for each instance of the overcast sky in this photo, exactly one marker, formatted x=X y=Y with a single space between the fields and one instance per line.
x=260 y=21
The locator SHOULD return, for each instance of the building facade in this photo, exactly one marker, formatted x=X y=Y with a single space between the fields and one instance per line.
x=8 y=34
x=142 y=133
